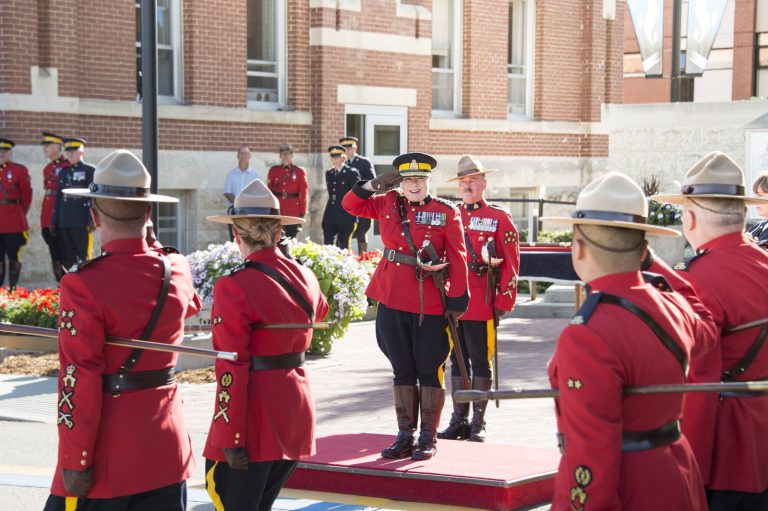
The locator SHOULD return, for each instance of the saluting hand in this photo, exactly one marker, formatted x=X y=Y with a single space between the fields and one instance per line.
x=77 y=482
x=385 y=181
x=236 y=458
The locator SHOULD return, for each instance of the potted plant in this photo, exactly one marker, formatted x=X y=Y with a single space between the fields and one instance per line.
x=39 y=307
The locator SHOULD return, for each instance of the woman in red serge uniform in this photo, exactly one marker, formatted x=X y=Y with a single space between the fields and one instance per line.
x=623 y=452
x=123 y=443
x=411 y=326
x=263 y=419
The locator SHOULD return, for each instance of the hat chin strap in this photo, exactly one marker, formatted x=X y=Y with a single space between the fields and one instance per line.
x=710 y=209
x=117 y=218
x=603 y=247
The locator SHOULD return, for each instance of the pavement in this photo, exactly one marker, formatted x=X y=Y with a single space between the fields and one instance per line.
x=352 y=393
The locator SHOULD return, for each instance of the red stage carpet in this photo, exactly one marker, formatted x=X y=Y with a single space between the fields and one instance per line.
x=487 y=476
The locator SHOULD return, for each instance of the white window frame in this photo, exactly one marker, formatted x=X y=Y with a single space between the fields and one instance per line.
x=530 y=45
x=176 y=46
x=281 y=63
x=181 y=220
x=458 y=47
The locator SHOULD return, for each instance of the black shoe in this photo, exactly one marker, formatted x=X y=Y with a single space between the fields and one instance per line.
x=477 y=432
x=402 y=448
x=426 y=447
x=456 y=430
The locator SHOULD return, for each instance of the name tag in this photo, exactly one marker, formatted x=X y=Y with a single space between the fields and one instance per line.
x=483 y=224
x=431 y=218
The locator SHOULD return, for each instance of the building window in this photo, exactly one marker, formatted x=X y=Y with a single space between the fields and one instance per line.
x=519 y=58
x=446 y=32
x=171 y=227
x=761 y=65
x=266 y=52
x=168 y=48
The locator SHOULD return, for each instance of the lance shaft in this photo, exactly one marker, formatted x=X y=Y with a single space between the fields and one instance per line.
x=266 y=326
x=466 y=396
x=52 y=333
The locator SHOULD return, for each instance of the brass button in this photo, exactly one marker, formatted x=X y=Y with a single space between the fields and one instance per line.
x=237 y=441
x=85 y=454
x=237 y=435
x=82 y=462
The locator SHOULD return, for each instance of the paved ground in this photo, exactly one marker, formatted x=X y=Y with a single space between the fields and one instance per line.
x=352 y=391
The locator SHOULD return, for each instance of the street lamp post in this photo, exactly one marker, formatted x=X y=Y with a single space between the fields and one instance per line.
x=149 y=94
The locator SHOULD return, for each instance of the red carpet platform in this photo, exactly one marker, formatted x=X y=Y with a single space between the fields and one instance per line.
x=487 y=476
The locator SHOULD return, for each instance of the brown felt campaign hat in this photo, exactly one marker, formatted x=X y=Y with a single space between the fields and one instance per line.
x=470 y=166
x=256 y=201
x=613 y=200
x=121 y=176
x=715 y=176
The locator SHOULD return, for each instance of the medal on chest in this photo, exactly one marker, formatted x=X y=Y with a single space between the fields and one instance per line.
x=483 y=224
x=430 y=218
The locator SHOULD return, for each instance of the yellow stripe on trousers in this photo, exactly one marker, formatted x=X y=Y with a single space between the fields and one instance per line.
x=441 y=370
x=89 y=249
x=26 y=241
x=211 y=487
x=490 y=339
x=70 y=503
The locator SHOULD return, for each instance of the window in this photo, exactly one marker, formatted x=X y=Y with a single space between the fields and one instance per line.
x=168 y=43
x=761 y=65
x=170 y=221
x=266 y=52
x=446 y=31
x=519 y=58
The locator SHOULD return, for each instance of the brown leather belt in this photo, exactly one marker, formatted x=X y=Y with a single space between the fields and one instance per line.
x=10 y=201
x=477 y=267
x=284 y=361
x=136 y=380
x=633 y=441
x=394 y=256
x=284 y=195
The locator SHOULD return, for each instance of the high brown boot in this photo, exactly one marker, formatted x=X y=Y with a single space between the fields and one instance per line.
x=458 y=428
x=58 y=271
x=432 y=401
x=362 y=246
x=14 y=272
x=407 y=409
x=477 y=428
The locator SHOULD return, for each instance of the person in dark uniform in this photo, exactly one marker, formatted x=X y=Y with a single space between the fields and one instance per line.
x=760 y=231
x=618 y=451
x=71 y=221
x=264 y=418
x=338 y=225
x=365 y=168
x=493 y=261
x=423 y=239
x=15 y=199
x=123 y=443
x=289 y=184
x=52 y=145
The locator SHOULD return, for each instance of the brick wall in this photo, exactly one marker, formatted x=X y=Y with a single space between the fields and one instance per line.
x=743 y=49
x=19 y=30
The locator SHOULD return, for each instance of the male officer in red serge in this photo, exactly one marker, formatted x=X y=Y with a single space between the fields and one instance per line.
x=420 y=234
x=623 y=452
x=289 y=184
x=492 y=245
x=15 y=198
x=264 y=418
x=728 y=273
x=123 y=443
x=52 y=145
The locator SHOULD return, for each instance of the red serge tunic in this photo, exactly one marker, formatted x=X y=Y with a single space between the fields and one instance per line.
x=482 y=221
x=394 y=284
x=51 y=187
x=284 y=181
x=269 y=412
x=15 y=197
x=137 y=441
x=598 y=355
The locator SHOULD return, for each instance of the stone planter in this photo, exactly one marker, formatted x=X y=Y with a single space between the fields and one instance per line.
x=670 y=250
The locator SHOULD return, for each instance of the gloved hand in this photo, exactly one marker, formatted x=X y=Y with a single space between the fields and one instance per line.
x=236 y=458
x=647 y=261
x=52 y=229
x=77 y=482
x=497 y=315
x=385 y=181
x=453 y=316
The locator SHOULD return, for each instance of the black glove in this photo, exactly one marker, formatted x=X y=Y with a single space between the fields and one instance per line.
x=385 y=181
x=647 y=261
x=236 y=458
x=497 y=315
x=76 y=482
x=453 y=316
x=52 y=229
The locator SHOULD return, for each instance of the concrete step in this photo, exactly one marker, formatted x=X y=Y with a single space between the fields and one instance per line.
x=560 y=293
x=539 y=308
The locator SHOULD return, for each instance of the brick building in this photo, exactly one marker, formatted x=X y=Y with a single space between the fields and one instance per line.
x=519 y=83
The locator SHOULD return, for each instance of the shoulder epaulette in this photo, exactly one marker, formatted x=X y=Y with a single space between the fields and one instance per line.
x=498 y=206
x=657 y=281
x=586 y=309
x=686 y=264
x=79 y=266
x=445 y=202
x=234 y=270
x=168 y=250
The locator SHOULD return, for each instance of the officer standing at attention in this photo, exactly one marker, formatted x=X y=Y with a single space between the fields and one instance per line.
x=365 y=169
x=15 y=198
x=289 y=184
x=123 y=443
x=264 y=418
x=493 y=261
x=71 y=222
x=618 y=451
x=423 y=237
x=728 y=273
x=52 y=145
x=338 y=225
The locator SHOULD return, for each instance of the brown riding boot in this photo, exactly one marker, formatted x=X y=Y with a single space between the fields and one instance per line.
x=14 y=272
x=58 y=271
x=458 y=427
x=407 y=409
x=432 y=401
x=477 y=428
x=362 y=246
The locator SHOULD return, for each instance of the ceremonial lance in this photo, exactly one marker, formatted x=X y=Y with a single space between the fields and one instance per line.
x=266 y=326
x=749 y=387
x=52 y=333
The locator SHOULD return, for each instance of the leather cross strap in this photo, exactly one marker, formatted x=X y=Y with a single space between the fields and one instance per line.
x=470 y=248
x=748 y=358
x=10 y=201
x=300 y=299
x=662 y=335
x=405 y=223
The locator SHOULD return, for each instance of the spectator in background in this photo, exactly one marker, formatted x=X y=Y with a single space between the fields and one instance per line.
x=238 y=178
x=365 y=168
x=760 y=230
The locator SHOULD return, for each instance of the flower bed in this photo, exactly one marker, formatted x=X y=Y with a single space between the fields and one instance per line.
x=34 y=308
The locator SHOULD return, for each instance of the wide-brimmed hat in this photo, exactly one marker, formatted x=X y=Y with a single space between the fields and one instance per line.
x=715 y=176
x=470 y=166
x=613 y=200
x=285 y=147
x=121 y=176
x=256 y=201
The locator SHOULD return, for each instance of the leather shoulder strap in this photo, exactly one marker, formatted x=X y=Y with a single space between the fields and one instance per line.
x=301 y=300
x=470 y=248
x=405 y=223
x=748 y=357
